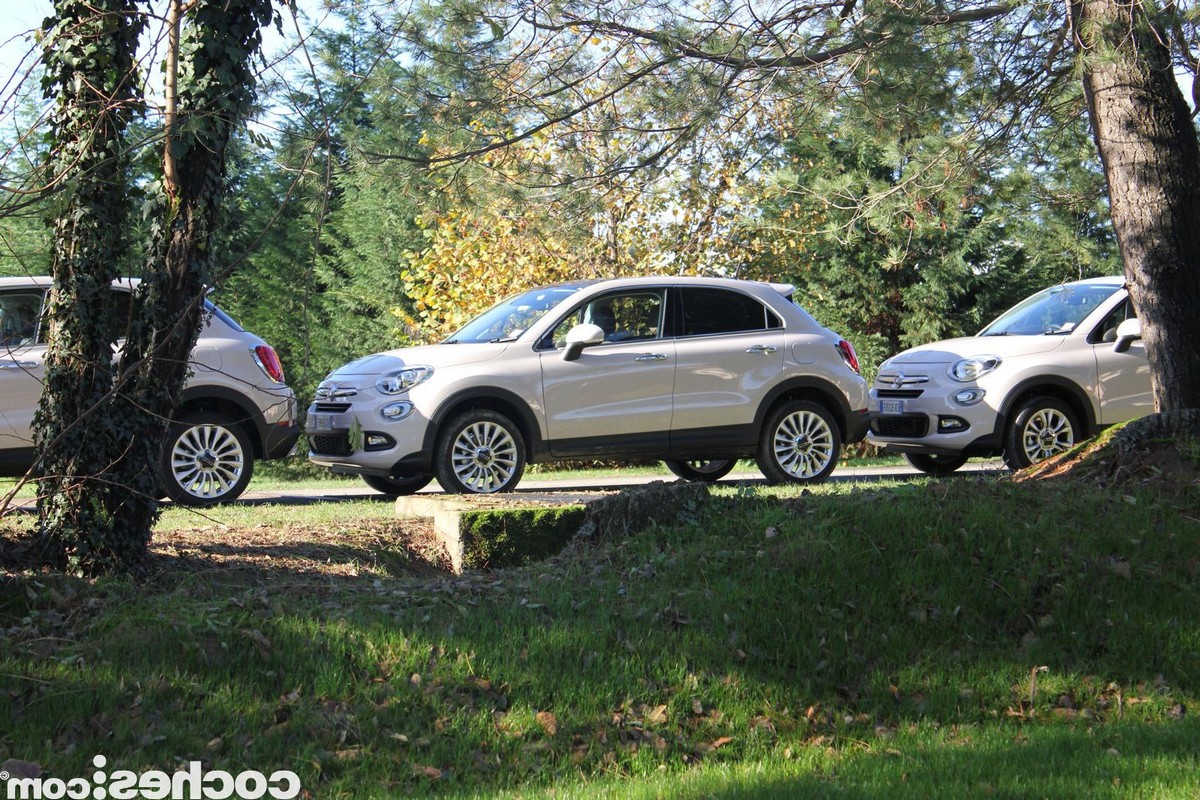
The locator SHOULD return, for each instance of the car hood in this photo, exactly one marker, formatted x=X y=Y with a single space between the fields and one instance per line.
x=433 y=355
x=951 y=350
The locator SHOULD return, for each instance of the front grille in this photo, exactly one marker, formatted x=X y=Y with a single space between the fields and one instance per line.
x=335 y=444
x=913 y=426
x=899 y=392
x=331 y=408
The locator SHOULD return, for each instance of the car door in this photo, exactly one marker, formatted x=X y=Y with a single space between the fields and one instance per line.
x=1122 y=379
x=22 y=357
x=729 y=352
x=616 y=397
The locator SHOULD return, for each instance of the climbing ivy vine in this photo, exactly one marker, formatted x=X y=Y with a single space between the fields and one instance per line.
x=100 y=428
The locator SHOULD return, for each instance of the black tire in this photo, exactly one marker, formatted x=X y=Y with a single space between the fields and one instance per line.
x=939 y=465
x=1040 y=428
x=206 y=459
x=704 y=471
x=399 y=486
x=800 y=443
x=480 y=452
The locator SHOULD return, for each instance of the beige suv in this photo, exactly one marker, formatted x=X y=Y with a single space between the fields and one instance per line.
x=234 y=409
x=1048 y=373
x=697 y=372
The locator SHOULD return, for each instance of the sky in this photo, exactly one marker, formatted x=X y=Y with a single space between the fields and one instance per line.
x=19 y=17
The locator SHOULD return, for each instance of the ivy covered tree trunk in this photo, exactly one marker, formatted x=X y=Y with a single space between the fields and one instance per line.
x=1148 y=143
x=102 y=430
x=210 y=87
x=89 y=67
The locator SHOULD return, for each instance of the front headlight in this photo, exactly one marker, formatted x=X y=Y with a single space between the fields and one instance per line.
x=973 y=368
x=401 y=381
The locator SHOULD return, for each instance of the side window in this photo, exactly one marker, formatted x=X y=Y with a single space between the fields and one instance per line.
x=628 y=317
x=20 y=312
x=1106 y=331
x=710 y=311
x=121 y=302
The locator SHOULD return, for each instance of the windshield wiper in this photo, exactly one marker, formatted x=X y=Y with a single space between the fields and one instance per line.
x=997 y=333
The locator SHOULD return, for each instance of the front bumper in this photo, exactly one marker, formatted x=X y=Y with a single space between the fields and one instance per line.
x=930 y=421
x=352 y=439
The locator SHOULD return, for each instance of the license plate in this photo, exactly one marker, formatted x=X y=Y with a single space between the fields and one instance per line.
x=891 y=406
x=319 y=422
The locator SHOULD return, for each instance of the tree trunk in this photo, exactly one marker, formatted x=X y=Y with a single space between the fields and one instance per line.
x=101 y=432
x=89 y=60
x=1151 y=158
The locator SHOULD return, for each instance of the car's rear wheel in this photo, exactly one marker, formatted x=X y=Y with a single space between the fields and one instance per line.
x=207 y=459
x=397 y=486
x=939 y=465
x=706 y=471
x=480 y=451
x=800 y=443
x=1041 y=427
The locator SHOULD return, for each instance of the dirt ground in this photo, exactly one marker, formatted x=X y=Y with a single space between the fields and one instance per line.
x=391 y=548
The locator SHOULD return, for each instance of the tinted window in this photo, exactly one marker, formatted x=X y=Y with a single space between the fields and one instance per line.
x=1106 y=331
x=625 y=317
x=19 y=313
x=709 y=311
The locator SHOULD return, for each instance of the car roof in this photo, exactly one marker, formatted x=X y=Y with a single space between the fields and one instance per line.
x=1106 y=280
x=45 y=282
x=784 y=289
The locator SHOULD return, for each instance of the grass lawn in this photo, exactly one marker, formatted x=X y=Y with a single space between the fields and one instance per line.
x=970 y=637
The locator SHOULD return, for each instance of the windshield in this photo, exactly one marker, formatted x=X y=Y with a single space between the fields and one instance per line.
x=510 y=318
x=1056 y=310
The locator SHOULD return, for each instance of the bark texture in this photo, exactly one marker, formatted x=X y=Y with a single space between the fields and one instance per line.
x=1151 y=156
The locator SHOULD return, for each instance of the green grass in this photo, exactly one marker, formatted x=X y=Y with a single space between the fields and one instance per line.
x=971 y=637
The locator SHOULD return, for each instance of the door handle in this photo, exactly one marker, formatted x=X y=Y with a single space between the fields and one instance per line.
x=651 y=357
x=762 y=348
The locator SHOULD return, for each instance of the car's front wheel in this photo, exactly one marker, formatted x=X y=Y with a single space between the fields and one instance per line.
x=800 y=443
x=398 y=486
x=1041 y=427
x=207 y=459
x=939 y=465
x=706 y=471
x=480 y=451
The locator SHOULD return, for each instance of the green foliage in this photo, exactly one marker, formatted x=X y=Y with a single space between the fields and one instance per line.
x=512 y=537
x=901 y=226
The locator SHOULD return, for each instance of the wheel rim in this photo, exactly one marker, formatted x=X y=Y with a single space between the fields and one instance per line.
x=707 y=467
x=207 y=461
x=803 y=444
x=484 y=457
x=1047 y=433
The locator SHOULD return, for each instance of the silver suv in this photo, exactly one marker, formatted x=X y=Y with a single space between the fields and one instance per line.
x=698 y=372
x=1048 y=373
x=235 y=407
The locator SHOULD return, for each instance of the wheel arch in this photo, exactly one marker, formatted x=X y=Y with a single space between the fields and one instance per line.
x=228 y=402
x=1059 y=388
x=499 y=400
x=813 y=389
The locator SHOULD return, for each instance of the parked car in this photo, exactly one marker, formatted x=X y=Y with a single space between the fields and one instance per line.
x=698 y=372
x=235 y=408
x=1048 y=373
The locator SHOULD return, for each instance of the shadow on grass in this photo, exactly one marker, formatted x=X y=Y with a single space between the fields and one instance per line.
x=830 y=627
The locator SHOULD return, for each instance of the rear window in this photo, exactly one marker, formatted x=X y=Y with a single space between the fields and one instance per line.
x=708 y=311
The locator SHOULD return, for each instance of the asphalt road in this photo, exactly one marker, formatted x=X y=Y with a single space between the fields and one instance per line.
x=532 y=484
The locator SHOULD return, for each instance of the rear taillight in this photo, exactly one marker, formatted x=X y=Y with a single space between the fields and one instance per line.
x=846 y=350
x=268 y=362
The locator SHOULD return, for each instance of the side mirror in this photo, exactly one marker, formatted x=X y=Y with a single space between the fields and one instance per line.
x=582 y=336
x=1128 y=332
